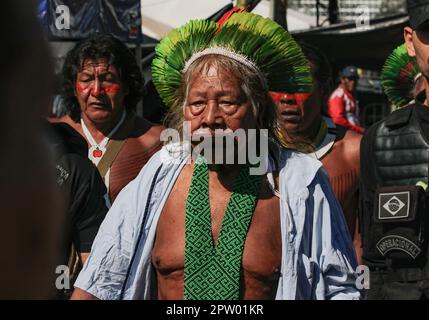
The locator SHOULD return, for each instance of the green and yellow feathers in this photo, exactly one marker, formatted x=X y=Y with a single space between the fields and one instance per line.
x=398 y=76
x=262 y=41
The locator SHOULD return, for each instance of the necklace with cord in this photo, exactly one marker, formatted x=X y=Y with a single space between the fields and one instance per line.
x=322 y=143
x=97 y=150
x=328 y=140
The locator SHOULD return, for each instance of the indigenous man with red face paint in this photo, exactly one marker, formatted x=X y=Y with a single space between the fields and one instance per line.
x=101 y=86
x=304 y=127
x=190 y=228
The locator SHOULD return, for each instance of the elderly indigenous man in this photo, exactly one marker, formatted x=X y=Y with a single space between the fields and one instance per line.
x=304 y=127
x=189 y=229
x=102 y=85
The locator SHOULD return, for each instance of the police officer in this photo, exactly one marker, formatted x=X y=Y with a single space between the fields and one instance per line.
x=395 y=173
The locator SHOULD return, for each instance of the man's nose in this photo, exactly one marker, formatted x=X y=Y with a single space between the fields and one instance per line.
x=288 y=101
x=97 y=88
x=212 y=117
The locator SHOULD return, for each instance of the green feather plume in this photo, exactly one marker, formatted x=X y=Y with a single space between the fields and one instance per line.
x=270 y=47
x=398 y=76
x=261 y=40
x=172 y=53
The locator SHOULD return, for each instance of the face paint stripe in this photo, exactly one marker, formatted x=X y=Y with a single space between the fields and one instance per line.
x=105 y=89
x=300 y=98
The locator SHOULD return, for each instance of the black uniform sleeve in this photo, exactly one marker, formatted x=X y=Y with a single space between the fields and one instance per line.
x=87 y=201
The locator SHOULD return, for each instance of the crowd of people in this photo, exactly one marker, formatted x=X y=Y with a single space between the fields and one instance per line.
x=173 y=211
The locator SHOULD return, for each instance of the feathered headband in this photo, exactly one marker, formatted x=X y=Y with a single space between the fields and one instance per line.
x=398 y=76
x=257 y=42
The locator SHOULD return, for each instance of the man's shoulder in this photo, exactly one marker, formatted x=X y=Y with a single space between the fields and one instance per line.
x=337 y=93
x=146 y=132
x=349 y=145
x=396 y=119
x=64 y=119
x=168 y=157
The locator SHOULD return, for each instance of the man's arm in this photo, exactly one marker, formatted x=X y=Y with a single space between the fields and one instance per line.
x=336 y=110
x=332 y=243
x=105 y=269
x=108 y=266
x=83 y=256
x=79 y=294
x=357 y=243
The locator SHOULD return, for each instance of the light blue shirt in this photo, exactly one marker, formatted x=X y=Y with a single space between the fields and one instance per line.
x=318 y=259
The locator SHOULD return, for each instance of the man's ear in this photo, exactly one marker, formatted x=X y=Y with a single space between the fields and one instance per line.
x=408 y=36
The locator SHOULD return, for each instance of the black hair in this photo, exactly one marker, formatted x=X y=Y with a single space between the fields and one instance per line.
x=101 y=46
x=322 y=70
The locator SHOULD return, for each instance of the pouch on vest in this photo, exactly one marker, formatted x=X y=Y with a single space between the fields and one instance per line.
x=401 y=215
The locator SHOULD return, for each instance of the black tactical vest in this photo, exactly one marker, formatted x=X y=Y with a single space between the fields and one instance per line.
x=401 y=159
x=401 y=152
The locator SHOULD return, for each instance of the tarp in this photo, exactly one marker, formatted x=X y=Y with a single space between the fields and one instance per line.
x=159 y=17
x=366 y=48
x=85 y=17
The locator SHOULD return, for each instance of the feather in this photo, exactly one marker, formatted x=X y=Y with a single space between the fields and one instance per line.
x=397 y=76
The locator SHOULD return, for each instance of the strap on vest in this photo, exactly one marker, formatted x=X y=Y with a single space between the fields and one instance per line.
x=114 y=147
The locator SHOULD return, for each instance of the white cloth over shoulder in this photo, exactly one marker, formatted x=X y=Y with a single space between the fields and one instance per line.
x=318 y=257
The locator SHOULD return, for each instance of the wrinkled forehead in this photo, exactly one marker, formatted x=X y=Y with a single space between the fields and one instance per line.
x=213 y=74
x=216 y=80
x=213 y=66
x=97 y=65
x=212 y=71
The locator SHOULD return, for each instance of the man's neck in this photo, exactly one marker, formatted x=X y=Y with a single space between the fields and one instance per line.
x=98 y=130
x=347 y=90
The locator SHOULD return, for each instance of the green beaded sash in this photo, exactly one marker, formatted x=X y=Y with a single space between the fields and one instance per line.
x=213 y=272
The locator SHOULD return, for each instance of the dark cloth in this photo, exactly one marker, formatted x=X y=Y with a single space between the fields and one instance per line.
x=386 y=285
x=382 y=288
x=418 y=11
x=82 y=187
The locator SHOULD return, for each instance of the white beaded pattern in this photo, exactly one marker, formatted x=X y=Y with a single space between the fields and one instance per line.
x=224 y=52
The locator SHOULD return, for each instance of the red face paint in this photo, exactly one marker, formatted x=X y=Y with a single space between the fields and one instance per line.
x=104 y=89
x=82 y=89
x=300 y=98
x=112 y=88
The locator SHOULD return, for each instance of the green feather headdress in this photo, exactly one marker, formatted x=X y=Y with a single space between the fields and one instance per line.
x=255 y=41
x=398 y=76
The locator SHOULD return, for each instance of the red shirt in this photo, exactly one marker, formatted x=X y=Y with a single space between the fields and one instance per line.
x=342 y=108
